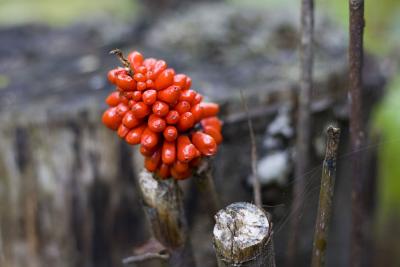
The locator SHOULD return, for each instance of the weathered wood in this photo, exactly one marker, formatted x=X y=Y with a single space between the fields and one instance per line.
x=243 y=236
x=162 y=202
x=325 y=198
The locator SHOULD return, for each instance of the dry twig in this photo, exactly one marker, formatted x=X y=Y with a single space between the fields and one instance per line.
x=325 y=198
x=303 y=122
x=256 y=179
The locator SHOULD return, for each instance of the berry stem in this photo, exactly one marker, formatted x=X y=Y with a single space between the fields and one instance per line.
x=117 y=52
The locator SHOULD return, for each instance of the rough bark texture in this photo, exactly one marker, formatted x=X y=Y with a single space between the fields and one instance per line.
x=357 y=134
x=162 y=202
x=303 y=139
x=325 y=198
x=243 y=237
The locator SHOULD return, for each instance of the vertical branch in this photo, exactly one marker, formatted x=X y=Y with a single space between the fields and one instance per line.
x=356 y=129
x=243 y=237
x=303 y=121
x=162 y=202
x=256 y=180
x=325 y=198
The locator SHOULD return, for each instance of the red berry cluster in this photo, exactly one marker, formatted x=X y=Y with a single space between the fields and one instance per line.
x=154 y=107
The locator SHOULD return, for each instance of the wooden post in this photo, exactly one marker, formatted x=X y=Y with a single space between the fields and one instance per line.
x=243 y=237
x=162 y=202
x=325 y=198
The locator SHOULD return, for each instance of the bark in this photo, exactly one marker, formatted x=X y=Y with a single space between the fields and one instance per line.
x=325 y=198
x=162 y=202
x=357 y=134
x=243 y=237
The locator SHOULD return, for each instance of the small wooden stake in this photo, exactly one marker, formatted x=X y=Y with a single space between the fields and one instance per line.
x=325 y=198
x=162 y=202
x=243 y=237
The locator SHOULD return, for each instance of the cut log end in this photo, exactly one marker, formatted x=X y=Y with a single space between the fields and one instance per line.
x=242 y=235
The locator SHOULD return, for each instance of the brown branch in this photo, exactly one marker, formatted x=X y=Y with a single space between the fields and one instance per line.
x=303 y=122
x=256 y=179
x=356 y=128
x=145 y=257
x=325 y=198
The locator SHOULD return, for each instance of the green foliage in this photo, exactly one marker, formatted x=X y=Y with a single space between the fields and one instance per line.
x=60 y=12
x=387 y=122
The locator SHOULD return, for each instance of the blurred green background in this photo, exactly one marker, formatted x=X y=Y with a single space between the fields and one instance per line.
x=382 y=38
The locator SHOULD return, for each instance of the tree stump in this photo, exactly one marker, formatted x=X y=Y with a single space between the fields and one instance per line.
x=243 y=236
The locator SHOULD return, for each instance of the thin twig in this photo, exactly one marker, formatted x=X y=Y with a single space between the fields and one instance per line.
x=145 y=257
x=303 y=122
x=117 y=52
x=325 y=198
x=356 y=128
x=256 y=179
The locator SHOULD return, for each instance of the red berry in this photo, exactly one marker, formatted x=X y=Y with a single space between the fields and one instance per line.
x=210 y=109
x=182 y=107
x=113 y=99
x=125 y=82
x=149 y=84
x=122 y=109
x=160 y=108
x=137 y=96
x=165 y=79
x=140 y=110
x=134 y=136
x=187 y=95
x=112 y=74
x=156 y=124
x=169 y=95
x=197 y=111
x=180 y=80
x=149 y=63
x=163 y=171
x=149 y=138
x=170 y=133
x=159 y=66
x=139 y=77
x=135 y=60
x=149 y=97
x=172 y=117
x=111 y=118
x=168 y=152
x=204 y=143
x=122 y=131
x=151 y=163
x=141 y=86
x=186 y=150
x=186 y=121
x=188 y=83
x=130 y=121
